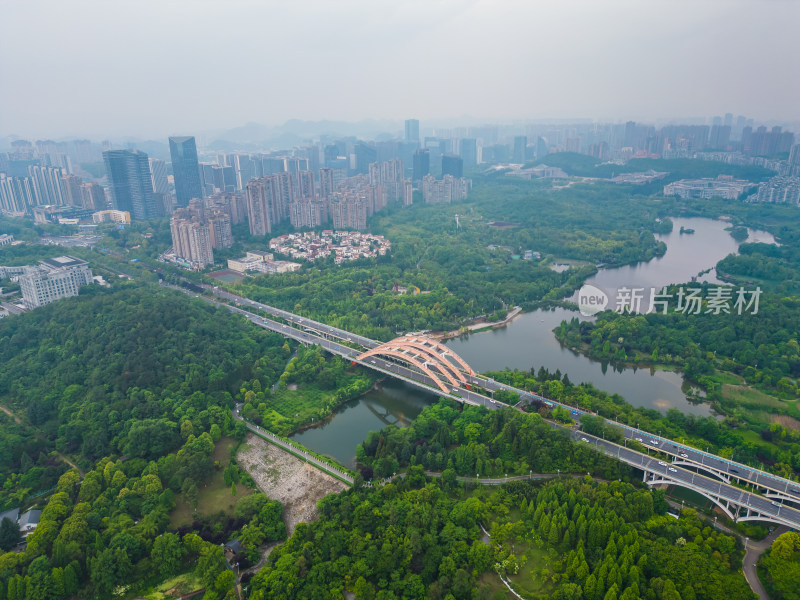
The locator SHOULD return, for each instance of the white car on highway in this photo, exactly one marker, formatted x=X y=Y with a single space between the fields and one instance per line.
x=662 y=463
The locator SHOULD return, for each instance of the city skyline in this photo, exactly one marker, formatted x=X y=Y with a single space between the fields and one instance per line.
x=505 y=61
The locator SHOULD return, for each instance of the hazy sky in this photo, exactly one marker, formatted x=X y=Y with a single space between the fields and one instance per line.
x=154 y=67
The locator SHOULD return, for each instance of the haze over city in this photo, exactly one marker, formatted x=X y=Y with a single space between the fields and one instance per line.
x=151 y=69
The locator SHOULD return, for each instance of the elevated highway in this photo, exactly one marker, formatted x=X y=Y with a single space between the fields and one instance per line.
x=723 y=481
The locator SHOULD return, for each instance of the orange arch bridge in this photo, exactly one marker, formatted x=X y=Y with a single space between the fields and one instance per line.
x=428 y=356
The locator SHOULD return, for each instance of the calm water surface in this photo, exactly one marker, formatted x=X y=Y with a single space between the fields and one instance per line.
x=528 y=342
x=395 y=403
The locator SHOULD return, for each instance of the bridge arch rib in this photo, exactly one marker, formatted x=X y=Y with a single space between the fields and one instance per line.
x=409 y=359
x=426 y=355
x=440 y=349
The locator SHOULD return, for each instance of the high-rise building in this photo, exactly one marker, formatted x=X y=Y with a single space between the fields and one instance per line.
x=131 y=185
x=262 y=212
x=219 y=229
x=93 y=196
x=47 y=185
x=445 y=191
x=542 y=148
x=185 y=168
x=348 y=211
x=245 y=169
x=412 y=130
x=191 y=240
x=158 y=175
x=720 y=135
x=520 y=145
x=233 y=204
x=59 y=277
x=468 y=150
x=422 y=164
x=365 y=155
x=326 y=187
x=16 y=195
x=305 y=184
x=308 y=213
x=452 y=165
x=72 y=189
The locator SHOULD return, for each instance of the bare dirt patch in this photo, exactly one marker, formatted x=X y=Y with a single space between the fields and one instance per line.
x=283 y=477
x=786 y=421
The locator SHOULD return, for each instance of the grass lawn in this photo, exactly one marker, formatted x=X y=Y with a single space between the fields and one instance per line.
x=527 y=580
x=749 y=396
x=728 y=377
x=177 y=586
x=290 y=408
x=214 y=495
x=498 y=590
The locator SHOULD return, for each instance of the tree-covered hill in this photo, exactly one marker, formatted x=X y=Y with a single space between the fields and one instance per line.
x=116 y=371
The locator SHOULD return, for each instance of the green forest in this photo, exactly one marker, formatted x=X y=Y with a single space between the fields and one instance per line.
x=118 y=372
x=470 y=440
x=567 y=539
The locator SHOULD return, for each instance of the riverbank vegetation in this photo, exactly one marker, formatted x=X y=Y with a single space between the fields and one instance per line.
x=773 y=446
x=310 y=388
x=464 y=440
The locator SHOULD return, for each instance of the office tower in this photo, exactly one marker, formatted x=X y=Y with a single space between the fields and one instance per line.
x=468 y=150
x=422 y=164
x=542 y=149
x=261 y=209
x=271 y=165
x=60 y=277
x=452 y=165
x=728 y=120
x=295 y=164
x=520 y=144
x=245 y=170
x=191 y=240
x=412 y=130
x=386 y=151
x=365 y=154
x=325 y=182
x=185 y=169
x=158 y=175
x=311 y=155
x=131 y=186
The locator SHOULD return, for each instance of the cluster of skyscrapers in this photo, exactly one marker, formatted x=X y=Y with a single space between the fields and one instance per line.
x=26 y=183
